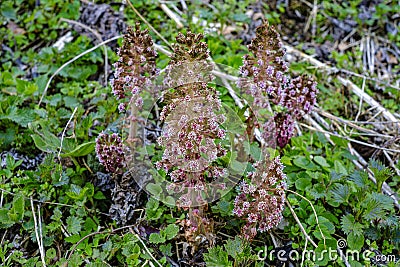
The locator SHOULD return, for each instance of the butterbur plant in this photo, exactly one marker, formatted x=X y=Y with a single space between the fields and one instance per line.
x=193 y=137
x=191 y=127
x=264 y=77
x=134 y=72
x=192 y=123
x=110 y=152
x=135 y=67
x=260 y=201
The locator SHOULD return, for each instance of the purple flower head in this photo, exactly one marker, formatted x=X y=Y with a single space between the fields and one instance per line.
x=136 y=63
x=261 y=208
x=110 y=152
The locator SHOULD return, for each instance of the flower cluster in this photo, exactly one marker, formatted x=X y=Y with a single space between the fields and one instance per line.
x=281 y=129
x=135 y=67
x=299 y=96
x=192 y=122
x=110 y=151
x=264 y=77
x=261 y=201
x=263 y=72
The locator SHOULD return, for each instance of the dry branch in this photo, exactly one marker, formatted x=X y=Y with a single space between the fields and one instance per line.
x=357 y=90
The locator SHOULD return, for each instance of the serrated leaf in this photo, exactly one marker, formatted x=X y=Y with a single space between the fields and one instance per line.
x=156 y=238
x=16 y=212
x=73 y=238
x=360 y=178
x=318 y=191
x=234 y=247
x=349 y=225
x=334 y=176
x=171 y=231
x=5 y=221
x=339 y=168
x=355 y=242
x=78 y=193
x=74 y=224
x=340 y=193
x=20 y=116
x=166 y=249
x=376 y=206
x=26 y=87
x=216 y=257
x=57 y=214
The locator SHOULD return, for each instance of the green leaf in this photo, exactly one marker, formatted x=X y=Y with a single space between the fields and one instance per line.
x=301 y=162
x=75 y=192
x=171 y=231
x=20 y=116
x=302 y=183
x=255 y=151
x=349 y=225
x=57 y=214
x=304 y=163
x=360 y=178
x=340 y=193
x=154 y=189
x=16 y=213
x=321 y=161
x=73 y=238
x=381 y=173
x=26 y=87
x=81 y=150
x=217 y=257
x=5 y=221
x=339 y=168
x=376 y=206
x=234 y=247
x=241 y=17
x=339 y=141
x=74 y=224
x=355 y=242
x=321 y=257
x=156 y=238
x=166 y=249
x=224 y=207
x=99 y=195
x=238 y=167
x=8 y=11
x=90 y=225
x=169 y=201
x=153 y=209
x=51 y=254
x=47 y=142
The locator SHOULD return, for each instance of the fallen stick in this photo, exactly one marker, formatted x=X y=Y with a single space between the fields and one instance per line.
x=360 y=163
x=357 y=90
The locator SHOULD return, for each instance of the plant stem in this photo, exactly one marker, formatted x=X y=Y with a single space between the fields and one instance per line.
x=133 y=125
